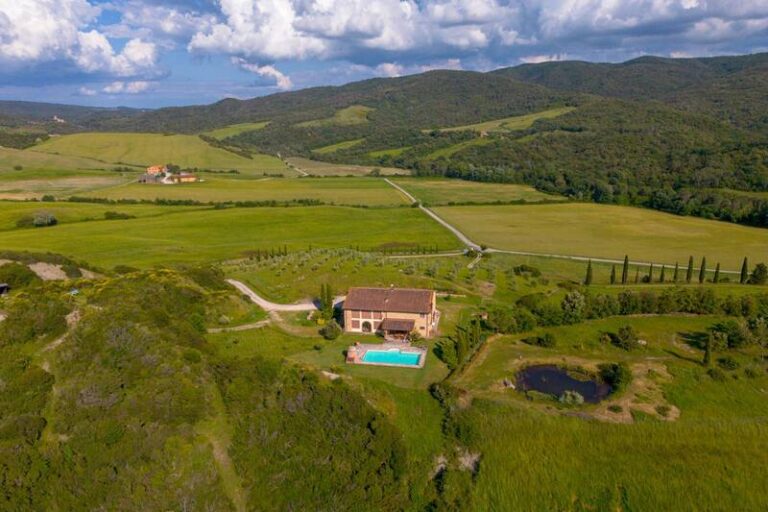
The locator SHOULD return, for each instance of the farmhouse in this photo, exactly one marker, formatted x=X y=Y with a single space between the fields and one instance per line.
x=156 y=170
x=183 y=177
x=393 y=312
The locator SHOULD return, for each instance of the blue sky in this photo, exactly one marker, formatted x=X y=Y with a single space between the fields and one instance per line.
x=147 y=53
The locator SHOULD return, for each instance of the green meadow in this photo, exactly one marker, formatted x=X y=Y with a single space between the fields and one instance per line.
x=348 y=191
x=450 y=150
x=35 y=160
x=316 y=168
x=58 y=183
x=606 y=231
x=511 y=123
x=338 y=146
x=235 y=129
x=67 y=213
x=144 y=149
x=440 y=191
x=211 y=235
x=352 y=115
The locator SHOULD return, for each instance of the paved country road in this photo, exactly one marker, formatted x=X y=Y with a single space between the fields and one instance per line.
x=305 y=305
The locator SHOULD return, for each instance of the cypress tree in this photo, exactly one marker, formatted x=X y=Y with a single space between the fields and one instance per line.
x=703 y=270
x=716 y=279
x=588 y=278
x=689 y=272
x=613 y=274
x=625 y=271
x=708 y=351
x=662 y=277
x=744 y=271
x=676 y=275
x=650 y=273
x=637 y=275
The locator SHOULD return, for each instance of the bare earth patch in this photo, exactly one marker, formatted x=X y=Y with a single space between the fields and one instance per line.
x=48 y=271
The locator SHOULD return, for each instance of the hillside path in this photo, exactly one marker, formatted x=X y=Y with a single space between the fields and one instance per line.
x=305 y=305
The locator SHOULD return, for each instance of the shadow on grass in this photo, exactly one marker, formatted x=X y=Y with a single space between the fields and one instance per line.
x=677 y=355
x=695 y=339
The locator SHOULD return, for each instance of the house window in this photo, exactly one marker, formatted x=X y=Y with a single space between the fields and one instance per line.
x=355 y=324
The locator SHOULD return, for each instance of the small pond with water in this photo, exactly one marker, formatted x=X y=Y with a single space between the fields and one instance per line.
x=552 y=380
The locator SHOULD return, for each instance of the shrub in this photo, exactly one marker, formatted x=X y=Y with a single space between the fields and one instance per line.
x=728 y=363
x=72 y=271
x=571 y=398
x=615 y=408
x=751 y=373
x=616 y=375
x=125 y=269
x=626 y=338
x=663 y=410
x=48 y=198
x=17 y=275
x=331 y=330
x=44 y=219
x=117 y=216
x=547 y=340
x=717 y=374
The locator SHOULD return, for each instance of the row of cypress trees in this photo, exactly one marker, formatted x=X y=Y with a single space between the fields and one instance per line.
x=743 y=278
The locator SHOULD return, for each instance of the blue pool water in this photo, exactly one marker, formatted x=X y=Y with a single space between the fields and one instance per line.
x=392 y=356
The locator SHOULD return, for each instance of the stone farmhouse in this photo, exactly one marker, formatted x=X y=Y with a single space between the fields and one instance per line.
x=393 y=312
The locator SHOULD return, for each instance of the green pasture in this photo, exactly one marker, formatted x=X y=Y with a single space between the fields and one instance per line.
x=388 y=152
x=450 y=150
x=144 y=149
x=352 y=115
x=210 y=235
x=235 y=129
x=58 y=183
x=349 y=191
x=438 y=191
x=511 y=123
x=316 y=168
x=34 y=160
x=608 y=231
x=67 y=213
x=338 y=146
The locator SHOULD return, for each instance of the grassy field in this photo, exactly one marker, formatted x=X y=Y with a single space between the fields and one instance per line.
x=610 y=232
x=65 y=213
x=450 y=150
x=315 y=168
x=235 y=129
x=338 y=146
x=33 y=160
x=444 y=191
x=389 y=152
x=354 y=114
x=221 y=234
x=511 y=123
x=349 y=191
x=35 y=184
x=713 y=454
x=151 y=149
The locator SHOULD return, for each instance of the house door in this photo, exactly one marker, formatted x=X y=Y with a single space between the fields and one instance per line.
x=367 y=327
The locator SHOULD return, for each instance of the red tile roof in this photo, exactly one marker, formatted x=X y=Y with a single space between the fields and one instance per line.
x=390 y=300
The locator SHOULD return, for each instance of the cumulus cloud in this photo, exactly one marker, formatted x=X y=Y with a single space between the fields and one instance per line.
x=40 y=31
x=281 y=81
x=127 y=87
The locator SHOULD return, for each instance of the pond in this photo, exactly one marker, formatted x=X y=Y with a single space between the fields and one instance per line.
x=553 y=380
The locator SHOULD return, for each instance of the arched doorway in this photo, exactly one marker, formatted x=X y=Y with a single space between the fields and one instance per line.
x=367 y=327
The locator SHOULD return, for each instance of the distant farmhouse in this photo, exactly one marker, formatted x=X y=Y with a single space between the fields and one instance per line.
x=161 y=174
x=393 y=312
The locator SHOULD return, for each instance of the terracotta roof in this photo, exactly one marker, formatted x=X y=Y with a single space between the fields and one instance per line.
x=396 y=324
x=397 y=300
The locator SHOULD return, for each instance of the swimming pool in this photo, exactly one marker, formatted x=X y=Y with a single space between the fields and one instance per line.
x=393 y=356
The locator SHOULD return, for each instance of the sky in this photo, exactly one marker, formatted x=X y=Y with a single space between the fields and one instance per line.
x=150 y=53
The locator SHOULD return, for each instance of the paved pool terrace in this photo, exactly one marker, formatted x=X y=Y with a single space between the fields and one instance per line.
x=399 y=355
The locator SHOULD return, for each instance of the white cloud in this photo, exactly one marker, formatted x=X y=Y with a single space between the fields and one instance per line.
x=538 y=59
x=282 y=82
x=86 y=91
x=390 y=69
x=35 y=31
x=127 y=87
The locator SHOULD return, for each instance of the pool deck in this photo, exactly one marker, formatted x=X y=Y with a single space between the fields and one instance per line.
x=356 y=354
